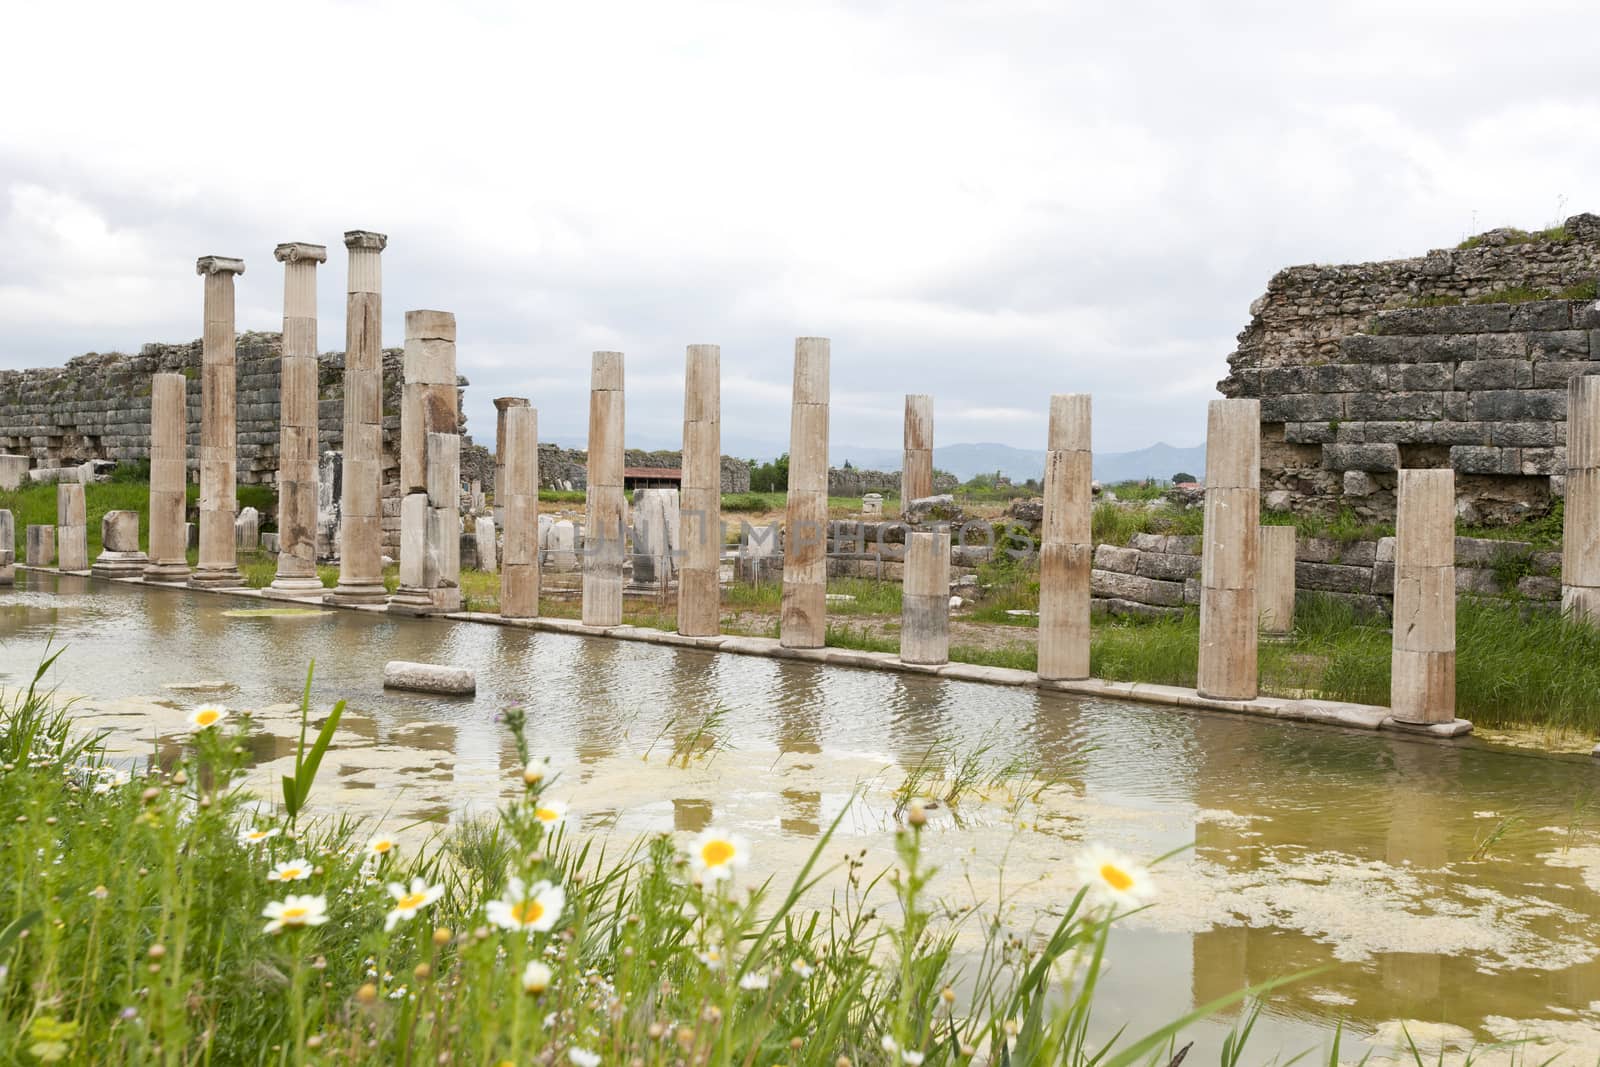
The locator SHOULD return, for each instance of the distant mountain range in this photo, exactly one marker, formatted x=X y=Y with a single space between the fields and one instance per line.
x=967 y=461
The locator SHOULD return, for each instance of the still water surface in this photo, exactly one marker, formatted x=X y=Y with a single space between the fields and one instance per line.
x=1454 y=888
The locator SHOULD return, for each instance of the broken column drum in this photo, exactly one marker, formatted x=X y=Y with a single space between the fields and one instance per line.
x=516 y=492
x=700 y=508
x=361 y=469
x=925 y=601
x=1065 y=550
x=298 y=454
x=1423 y=668
x=169 y=420
x=120 y=555
x=72 y=527
x=604 y=531
x=803 y=619
x=1230 y=551
x=218 y=566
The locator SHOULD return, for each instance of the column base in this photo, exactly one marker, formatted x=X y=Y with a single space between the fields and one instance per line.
x=167 y=573
x=353 y=595
x=216 y=579
x=413 y=602
x=120 y=565
x=294 y=588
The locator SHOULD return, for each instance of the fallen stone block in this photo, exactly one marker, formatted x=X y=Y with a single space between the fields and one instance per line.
x=428 y=678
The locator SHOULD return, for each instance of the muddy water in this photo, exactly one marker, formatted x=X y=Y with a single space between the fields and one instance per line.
x=1453 y=889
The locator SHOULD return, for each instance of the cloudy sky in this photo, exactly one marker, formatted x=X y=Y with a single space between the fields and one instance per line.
x=988 y=202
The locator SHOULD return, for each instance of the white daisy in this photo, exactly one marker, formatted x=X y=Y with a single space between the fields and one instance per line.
x=1113 y=877
x=293 y=911
x=583 y=1057
x=249 y=835
x=802 y=968
x=524 y=907
x=754 y=980
x=407 y=902
x=207 y=715
x=381 y=846
x=550 y=812
x=535 y=978
x=292 y=871
x=715 y=854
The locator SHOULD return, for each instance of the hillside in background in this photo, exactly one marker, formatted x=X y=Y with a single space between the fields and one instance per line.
x=967 y=461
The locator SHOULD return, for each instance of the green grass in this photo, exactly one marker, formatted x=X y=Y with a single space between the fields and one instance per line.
x=1515 y=236
x=1115 y=524
x=1345 y=526
x=1140 y=490
x=131 y=932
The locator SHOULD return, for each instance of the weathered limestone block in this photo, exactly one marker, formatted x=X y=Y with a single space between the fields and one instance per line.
x=925 y=600
x=656 y=529
x=428 y=678
x=72 y=527
x=1333 y=577
x=1477 y=459
x=1132 y=587
x=247 y=529
x=41 y=546
x=1510 y=405
x=1277 y=579
x=1428 y=404
x=13 y=471
x=483 y=536
x=120 y=555
x=1112 y=558
x=1303 y=407
x=872 y=504
x=1168 y=567
x=1495 y=374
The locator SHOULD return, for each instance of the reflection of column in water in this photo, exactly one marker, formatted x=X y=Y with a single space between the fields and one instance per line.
x=691 y=815
x=1417 y=842
x=803 y=812
x=162 y=617
x=797 y=725
x=1053 y=734
x=919 y=719
x=606 y=671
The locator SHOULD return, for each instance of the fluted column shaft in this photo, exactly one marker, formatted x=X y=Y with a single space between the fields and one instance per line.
x=219 y=438
x=361 y=477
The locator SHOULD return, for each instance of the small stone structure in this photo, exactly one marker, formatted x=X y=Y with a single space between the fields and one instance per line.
x=72 y=528
x=41 y=546
x=120 y=555
x=13 y=472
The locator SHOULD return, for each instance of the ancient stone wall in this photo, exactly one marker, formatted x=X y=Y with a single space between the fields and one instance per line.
x=853 y=481
x=568 y=468
x=1366 y=368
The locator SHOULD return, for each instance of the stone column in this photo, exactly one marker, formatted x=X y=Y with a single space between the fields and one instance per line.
x=219 y=437
x=700 y=514
x=916 y=473
x=169 y=476
x=361 y=477
x=8 y=548
x=516 y=492
x=1230 y=551
x=1423 y=675
x=803 y=622
x=430 y=469
x=502 y=404
x=72 y=527
x=1276 y=588
x=603 y=532
x=120 y=555
x=1580 y=527
x=1065 y=548
x=298 y=453
x=925 y=599
x=483 y=541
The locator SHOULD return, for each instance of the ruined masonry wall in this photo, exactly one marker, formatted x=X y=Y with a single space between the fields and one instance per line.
x=1355 y=384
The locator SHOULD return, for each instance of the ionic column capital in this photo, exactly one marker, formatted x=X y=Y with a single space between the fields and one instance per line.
x=218 y=265
x=501 y=403
x=299 y=252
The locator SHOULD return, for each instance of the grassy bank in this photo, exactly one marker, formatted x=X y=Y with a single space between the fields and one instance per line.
x=172 y=918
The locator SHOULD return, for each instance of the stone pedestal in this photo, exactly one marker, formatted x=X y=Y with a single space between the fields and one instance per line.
x=871 y=505
x=72 y=527
x=1230 y=551
x=516 y=493
x=430 y=469
x=298 y=449
x=1275 y=590
x=247 y=530
x=120 y=556
x=916 y=473
x=604 y=531
x=219 y=439
x=13 y=471
x=925 y=598
x=803 y=622
x=169 y=421
x=361 y=466
x=656 y=522
x=1065 y=550
x=1423 y=674
x=41 y=547
x=1580 y=528
x=561 y=553
x=483 y=542
x=700 y=518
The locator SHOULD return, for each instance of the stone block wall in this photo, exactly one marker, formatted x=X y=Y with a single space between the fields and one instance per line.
x=1354 y=384
x=1159 y=575
x=568 y=468
x=853 y=481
